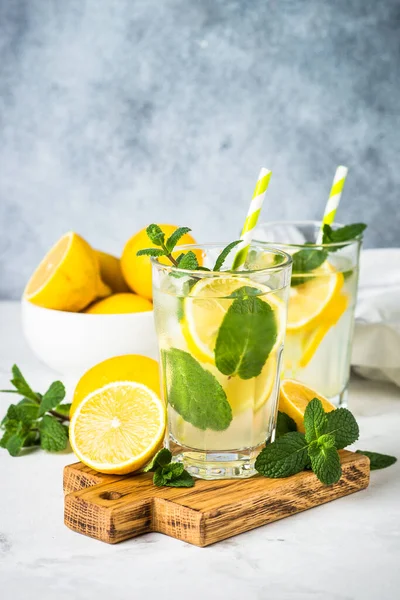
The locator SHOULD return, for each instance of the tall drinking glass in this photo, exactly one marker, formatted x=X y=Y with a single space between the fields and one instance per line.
x=221 y=338
x=322 y=300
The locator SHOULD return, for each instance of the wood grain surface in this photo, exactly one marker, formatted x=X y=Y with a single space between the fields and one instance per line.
x=115 y=508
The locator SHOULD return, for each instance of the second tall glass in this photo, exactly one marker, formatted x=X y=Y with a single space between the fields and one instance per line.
x=221 y=338
x=322 y=300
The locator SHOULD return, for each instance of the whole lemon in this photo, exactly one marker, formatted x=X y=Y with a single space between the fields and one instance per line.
x=128 y=367
x=119 y=304
x=110 y=272
x=137 y=269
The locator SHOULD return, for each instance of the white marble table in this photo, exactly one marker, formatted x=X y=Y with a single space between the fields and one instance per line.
x=346 y=550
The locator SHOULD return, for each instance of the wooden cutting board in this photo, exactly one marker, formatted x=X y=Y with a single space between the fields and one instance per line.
x=114 y=508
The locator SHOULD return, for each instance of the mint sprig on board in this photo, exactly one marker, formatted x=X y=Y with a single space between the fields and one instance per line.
x=166 y=247
x=36 y=420
x=325 y=434
x=167 y=473
x=318 y=445
x=307 y=260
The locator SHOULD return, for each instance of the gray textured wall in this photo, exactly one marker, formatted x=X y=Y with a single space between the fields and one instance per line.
x=117 y=113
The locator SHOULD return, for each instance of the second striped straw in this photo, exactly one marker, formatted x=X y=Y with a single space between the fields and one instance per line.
x=252 y=217
x=333 y=201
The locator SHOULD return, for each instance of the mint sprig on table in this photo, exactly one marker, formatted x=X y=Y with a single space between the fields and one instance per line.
x=325 y=434
x=307 y=260
x=36 y=420
x=167 y=473
x=186 y=260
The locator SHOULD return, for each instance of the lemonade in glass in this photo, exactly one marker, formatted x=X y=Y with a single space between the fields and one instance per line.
x=322 y=300
x=221 y=337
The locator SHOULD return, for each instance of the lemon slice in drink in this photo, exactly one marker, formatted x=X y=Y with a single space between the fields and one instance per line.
x=118 y=428
x=294 y=397
x=205 y=309
x=309 y=302
x=313 y=338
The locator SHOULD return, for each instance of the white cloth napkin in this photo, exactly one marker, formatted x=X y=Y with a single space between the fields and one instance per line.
x=376 y=345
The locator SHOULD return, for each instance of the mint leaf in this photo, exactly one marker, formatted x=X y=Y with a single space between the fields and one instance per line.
x=184 y=480
x=308 y=259
x=54 y=436
x=173 y=475
x=284 y=457
x=162 y=458
x=32 y=439
x=63 y=409
x=188 y=261
x=156 y=234
x=20 y=413
x=344 y=234
x=325 y=461
x=377 y=460
x=54 y=395
x=284 y=424
x=158 y=477
x=21 y=385
x=315 y=421
x=175 y=237
x=342 y=424
x=172 y=470
x=195 y=393
x=28 y=410
x=14 y=444
x=224 y=254
x=246 y=337
x=150 y=252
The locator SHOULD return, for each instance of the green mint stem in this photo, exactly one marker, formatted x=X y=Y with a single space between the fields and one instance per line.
x=58 y=415
x=169 y=255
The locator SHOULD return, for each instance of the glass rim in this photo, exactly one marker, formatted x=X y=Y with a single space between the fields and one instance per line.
x=262 y=245
x=317 y=224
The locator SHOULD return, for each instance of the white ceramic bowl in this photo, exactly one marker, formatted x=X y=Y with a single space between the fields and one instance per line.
x=71 y=343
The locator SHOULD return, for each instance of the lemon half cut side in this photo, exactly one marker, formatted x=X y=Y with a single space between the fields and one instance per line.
x=118 y=428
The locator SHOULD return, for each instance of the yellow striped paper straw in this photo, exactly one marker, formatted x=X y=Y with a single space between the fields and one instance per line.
x=252 y=217
x=333 y=200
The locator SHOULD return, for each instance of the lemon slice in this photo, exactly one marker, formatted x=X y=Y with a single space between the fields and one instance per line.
x=313 y=338
x=294 y=397
x=207 y=305
x=309 y=301
x=118 y=428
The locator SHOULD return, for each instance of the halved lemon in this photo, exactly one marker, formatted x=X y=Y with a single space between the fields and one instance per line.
x=294 y=397
x=68 y=278
x=118 y=428
x=309 y=301
x=207 y=305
